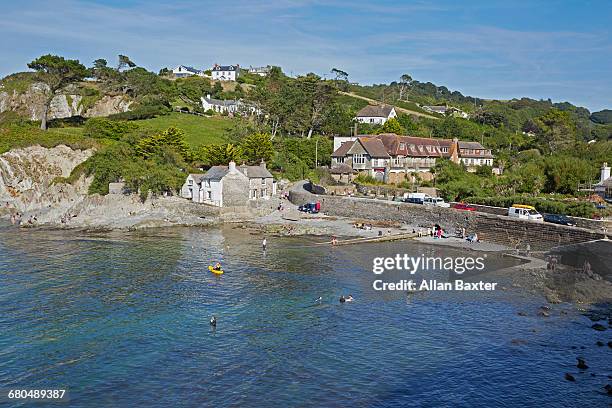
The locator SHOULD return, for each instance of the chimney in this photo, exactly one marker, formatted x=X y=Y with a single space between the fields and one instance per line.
x=232 y=166
x=262 y=164
x=605 y=172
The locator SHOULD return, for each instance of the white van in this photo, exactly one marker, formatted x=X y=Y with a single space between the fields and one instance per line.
x=525 y=212
x=437 y=201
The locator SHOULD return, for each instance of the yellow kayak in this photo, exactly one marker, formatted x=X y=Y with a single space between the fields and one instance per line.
x=215 y=271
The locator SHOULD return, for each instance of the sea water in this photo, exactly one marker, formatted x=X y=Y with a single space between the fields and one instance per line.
x=122 y=319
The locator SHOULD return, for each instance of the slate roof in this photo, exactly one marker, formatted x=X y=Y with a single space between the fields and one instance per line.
x=606 y=183
x=376 y=111
x=215 y=173
x=191 y=69
x=474 y=146
x=222 y=102
x=254 y=171
x=197 y=177
x=218 y=172
x=437 y=109
x=225 y=68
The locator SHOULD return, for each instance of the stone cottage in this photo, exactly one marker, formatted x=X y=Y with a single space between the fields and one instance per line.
x=230 y=186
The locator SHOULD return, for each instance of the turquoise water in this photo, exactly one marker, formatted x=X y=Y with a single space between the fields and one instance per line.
x=122 y=320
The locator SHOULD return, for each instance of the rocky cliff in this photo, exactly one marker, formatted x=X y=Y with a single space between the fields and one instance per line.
x=31 y=194
x=30 y=103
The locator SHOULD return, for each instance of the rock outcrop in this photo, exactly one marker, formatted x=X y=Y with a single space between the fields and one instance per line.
x=30 y=104
x=31 y=194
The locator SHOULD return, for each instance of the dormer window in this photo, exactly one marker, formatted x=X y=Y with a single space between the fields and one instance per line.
x=402 y=146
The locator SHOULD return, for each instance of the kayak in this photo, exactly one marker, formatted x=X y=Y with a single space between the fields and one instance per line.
x=215 y=271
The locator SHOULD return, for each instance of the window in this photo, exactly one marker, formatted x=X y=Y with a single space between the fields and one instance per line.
x=444 y=149
x=263 y=181
x=190 y=182
x=252 y=194
x=209 y=195
x=264 y=192
x=359 y=159
x=402 y=146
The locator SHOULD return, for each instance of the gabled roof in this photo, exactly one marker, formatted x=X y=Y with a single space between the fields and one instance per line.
x=197 y=177
x=438 y=109
x=343 y=149
x=374 y=147
x=471 y=145
x=606 y=183
x=221 y=102
x=254 y=171
x=190 y=69
x=376 y=111
x=218 y=172
x=215 y=173
x=225 y=68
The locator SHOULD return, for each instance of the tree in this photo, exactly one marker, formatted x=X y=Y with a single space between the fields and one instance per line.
x=57 y=73
x=172 y=137
x=217 y=89
x=392 y=126
x=557 y=131
x=221 y=154
x=258 y=147
x=404 y=84
x=340 y=74
x=125 y=61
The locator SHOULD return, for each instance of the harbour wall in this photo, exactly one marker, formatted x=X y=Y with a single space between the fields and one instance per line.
x=490 y=227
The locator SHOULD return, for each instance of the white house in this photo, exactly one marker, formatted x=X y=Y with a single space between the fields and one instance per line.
x=228 y=106
x=604 y=187
x=446 y=110
x=229 y=186
x=261 y=71
x=225 y=72
x=375 y=114
x=184 y=71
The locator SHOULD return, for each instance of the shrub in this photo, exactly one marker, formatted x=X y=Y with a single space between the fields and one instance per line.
x=102 y=128
x=544 y=205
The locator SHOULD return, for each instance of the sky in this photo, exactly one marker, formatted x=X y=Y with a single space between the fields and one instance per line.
x=490 y=49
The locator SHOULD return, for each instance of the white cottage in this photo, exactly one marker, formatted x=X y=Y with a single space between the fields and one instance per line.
x=375 y=114
x=225 y=72
x=183 y=71
x=228 y=186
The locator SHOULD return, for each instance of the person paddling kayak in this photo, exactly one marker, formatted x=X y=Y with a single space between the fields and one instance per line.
x=217 y=266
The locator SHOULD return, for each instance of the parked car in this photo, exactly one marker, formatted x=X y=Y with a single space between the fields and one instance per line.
x=525 y=212
x=463 y=206
x=413 y=200
x=309 y=208
x=559 y=219
x=437 y=201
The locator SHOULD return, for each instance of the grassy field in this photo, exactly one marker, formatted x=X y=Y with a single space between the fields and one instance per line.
x=198 y=130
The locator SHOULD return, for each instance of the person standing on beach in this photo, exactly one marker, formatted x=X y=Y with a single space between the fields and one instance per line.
x=264 y=243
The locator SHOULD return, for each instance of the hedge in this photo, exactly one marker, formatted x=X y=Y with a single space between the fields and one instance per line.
x=573 y=208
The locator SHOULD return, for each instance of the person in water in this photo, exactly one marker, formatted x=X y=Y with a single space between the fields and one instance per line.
x=217 y=266
x=264 y=243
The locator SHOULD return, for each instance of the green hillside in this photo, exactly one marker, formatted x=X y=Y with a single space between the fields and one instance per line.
x=198 y=130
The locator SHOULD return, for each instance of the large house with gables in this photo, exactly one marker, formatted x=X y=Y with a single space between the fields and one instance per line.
x=225 y=72
x=393 y=158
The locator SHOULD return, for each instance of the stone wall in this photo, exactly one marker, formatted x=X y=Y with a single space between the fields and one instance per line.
x=490 y=227
x=597 y=225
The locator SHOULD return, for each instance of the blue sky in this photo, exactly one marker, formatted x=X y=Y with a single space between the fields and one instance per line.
x=492 y=49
